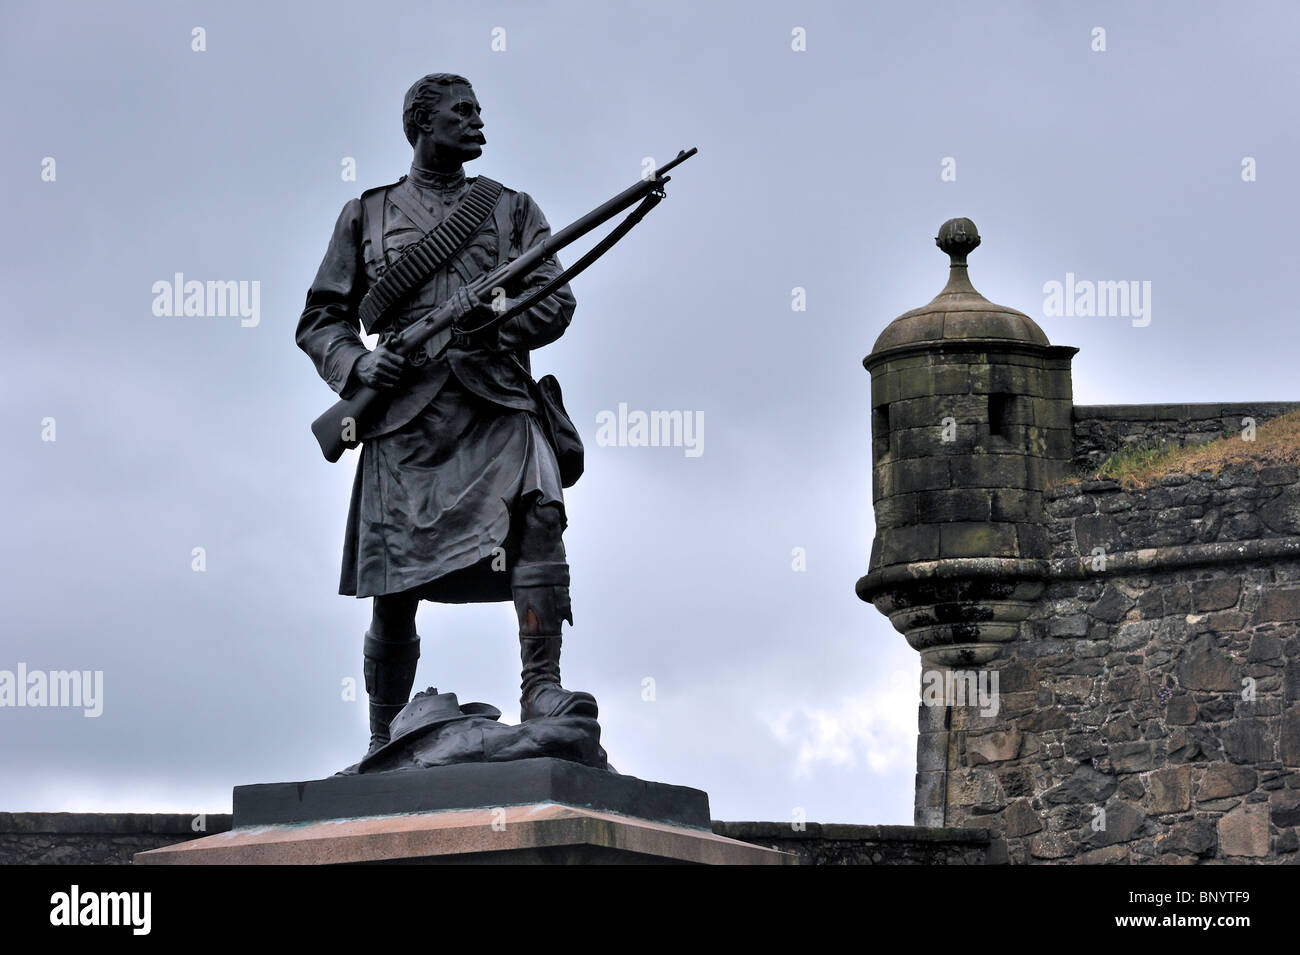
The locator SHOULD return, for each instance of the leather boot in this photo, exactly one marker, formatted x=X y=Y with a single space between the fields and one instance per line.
x=390 y=674
x=541 y=595
x=542 y=694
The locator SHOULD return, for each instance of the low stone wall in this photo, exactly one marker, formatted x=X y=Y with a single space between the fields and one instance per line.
x=56 y=838
x=1101 y=430
x=827 y=844
x=1151 y=713
x=94 y=838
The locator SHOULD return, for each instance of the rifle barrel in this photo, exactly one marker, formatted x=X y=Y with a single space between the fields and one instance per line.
x=580 y=227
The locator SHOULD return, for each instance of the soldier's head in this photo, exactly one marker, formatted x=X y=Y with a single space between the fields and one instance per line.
x=442 y=119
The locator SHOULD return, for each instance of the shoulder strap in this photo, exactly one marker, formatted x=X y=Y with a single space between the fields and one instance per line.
x=372 y=212
x=420 y=260
x=505 y=233
x=400 y=196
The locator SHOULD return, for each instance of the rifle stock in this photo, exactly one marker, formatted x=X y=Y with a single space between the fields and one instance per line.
x=337 y=429
x=340 y=427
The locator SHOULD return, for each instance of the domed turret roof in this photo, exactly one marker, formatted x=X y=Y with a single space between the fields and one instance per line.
x=959 y=312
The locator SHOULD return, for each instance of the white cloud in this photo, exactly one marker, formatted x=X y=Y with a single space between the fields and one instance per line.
x=876 y=727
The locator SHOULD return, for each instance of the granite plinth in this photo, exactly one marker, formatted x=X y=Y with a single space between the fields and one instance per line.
x=470 y=786
x=545 y=834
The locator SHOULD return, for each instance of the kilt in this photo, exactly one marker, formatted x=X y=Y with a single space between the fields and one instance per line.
x=435 y=498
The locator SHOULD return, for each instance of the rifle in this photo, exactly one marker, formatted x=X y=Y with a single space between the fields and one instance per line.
x=337 y=429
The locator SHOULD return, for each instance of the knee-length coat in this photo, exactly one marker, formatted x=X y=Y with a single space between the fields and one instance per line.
x=445 y=469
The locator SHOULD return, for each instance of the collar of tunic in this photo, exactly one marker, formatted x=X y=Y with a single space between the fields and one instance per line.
x=441 y=181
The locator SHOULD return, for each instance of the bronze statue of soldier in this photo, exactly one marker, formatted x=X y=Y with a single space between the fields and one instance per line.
x=458 y=495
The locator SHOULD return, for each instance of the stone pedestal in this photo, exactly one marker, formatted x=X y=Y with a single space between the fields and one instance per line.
x=512 y=835
x=527 y=811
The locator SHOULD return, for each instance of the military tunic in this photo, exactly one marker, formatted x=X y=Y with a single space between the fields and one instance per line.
x=445 y=470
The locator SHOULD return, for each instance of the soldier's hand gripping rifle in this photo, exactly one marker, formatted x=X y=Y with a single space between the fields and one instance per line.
x=338 y=428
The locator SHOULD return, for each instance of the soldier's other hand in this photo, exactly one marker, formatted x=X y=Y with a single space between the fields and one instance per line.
x=467 y=304
x=473 y=310
x=380 y=369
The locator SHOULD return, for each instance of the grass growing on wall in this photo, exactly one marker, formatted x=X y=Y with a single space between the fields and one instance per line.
x=1277 y=442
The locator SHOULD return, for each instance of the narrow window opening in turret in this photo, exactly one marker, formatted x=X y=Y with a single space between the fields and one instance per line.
x=880 y=430
x=999 y=408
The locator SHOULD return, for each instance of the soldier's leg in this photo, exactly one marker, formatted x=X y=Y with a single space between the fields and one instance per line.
x=539 y=583
x=392 y=651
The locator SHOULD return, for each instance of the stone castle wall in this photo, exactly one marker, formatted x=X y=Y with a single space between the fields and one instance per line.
x=1151 y=710
x=95 y=838
x=1101 y=430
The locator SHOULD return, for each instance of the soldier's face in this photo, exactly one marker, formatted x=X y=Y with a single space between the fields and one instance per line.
x=456 y=126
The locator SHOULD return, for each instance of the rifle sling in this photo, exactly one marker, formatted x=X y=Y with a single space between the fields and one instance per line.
x=420 y=260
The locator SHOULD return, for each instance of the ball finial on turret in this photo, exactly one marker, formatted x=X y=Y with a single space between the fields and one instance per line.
x=958 y=238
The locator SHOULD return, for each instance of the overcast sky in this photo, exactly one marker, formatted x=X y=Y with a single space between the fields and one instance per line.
x=776 y=690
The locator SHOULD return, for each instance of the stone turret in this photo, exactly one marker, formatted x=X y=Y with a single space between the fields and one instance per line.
x=1110 y=672
x=970 y=419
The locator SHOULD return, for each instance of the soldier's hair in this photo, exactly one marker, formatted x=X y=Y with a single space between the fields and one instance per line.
x=426 y=93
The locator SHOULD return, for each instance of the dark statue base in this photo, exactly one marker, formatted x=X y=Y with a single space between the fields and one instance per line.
x=470 y=786
x=529 y=811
